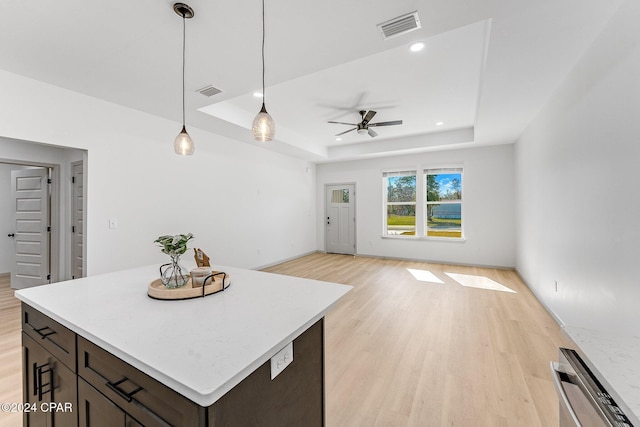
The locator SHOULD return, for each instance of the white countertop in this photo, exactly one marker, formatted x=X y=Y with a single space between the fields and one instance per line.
x=615 y=360
x=201 y=347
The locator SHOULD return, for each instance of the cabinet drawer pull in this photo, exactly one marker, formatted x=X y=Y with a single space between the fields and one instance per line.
x=45 y=334
x=126 y=396
x=40 y=388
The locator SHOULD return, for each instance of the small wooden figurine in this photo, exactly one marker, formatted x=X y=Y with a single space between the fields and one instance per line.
x=202 y=260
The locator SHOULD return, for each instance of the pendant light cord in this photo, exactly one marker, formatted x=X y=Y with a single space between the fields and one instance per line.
x=263 y=90
x=184 y=36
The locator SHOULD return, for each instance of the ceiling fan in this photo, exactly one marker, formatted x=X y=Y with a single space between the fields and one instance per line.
x=363 y=127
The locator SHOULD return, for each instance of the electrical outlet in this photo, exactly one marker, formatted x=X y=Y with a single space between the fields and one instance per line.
x=281 y=360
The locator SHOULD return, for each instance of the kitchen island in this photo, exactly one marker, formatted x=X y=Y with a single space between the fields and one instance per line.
x=204 y=361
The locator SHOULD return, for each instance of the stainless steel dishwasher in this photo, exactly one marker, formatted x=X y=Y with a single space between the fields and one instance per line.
x=584 y=402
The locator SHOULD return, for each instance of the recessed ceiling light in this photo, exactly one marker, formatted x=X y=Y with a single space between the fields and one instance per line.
x=416 y=47
x=338 y=139
x=439 y=123
x=257 y=94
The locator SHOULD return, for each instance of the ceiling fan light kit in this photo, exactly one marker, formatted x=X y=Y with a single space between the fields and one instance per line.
x=183 y=143
x=362 y=128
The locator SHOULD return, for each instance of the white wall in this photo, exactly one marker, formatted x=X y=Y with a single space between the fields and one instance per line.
x=488 y=190
x=578 y=199
x=247 y=206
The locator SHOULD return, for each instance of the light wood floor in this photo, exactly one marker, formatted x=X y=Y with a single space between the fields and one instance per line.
x=10 y=353
x=403 y=352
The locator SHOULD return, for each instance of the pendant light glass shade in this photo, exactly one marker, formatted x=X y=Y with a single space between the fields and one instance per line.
x=183 y=144
x=263 y=128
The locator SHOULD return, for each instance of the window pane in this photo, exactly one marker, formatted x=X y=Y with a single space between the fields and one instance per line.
x=401 y=220
x=340 y=196
x=444 y=220
x=444 y=186
x=401 y=188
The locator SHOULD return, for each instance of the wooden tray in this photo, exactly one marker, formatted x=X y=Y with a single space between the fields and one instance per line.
x=157 y=290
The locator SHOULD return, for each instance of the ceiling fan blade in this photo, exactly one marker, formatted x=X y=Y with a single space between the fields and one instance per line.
x=346 y=131
x=372 y=133
x=391 y=123
x=343 y=123
x=367 y=118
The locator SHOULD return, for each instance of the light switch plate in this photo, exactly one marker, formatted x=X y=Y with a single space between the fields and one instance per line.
x=281 y=360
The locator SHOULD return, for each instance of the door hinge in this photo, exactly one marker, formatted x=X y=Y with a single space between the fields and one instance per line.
x=48 y=277
x=73 y=179
x=73 y=277
x=73 y=228
x=49 y=229
x=49 y=181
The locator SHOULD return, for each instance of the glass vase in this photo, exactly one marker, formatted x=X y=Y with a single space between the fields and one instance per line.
x=174 y=274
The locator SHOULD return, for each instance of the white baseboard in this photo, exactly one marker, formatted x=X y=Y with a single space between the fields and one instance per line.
x=284 y=260
x=546 y=307
x=462 y=264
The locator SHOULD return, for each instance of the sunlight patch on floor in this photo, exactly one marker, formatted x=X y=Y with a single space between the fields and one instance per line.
x=480 y=282
x=424 y=275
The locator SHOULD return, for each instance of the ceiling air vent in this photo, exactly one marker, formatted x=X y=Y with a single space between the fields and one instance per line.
x=209 y=91
x=400 y=25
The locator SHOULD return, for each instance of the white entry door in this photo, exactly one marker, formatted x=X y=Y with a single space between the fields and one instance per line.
x=30 y=194
x=340 y=220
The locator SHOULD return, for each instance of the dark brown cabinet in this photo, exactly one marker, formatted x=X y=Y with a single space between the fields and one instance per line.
x=55 y=338
x=95 y=410
x=294 y=398
x=145 y=399
x=66 y=370
x=49 y=388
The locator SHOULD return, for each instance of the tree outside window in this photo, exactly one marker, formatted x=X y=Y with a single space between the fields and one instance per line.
x=401 y=203
x=444 y=203
x=426 y=204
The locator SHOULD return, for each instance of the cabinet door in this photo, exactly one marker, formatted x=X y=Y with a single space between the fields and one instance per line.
x=33 y=356
x=95 y=410
x=48 y=385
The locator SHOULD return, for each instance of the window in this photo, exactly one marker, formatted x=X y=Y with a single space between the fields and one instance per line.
x=340 y=196
x=401 y=203
x=443 y=202
x=434 y=211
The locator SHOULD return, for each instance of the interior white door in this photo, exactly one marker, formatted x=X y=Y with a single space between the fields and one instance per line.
x=340 y=221
x=77 y=207
x=30 y=194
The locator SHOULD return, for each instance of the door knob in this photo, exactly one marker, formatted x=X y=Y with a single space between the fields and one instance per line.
x=11 y=235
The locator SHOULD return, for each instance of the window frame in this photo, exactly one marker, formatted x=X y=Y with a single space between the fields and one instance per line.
x=443 y=171
x=421 y=228
x=386 y=203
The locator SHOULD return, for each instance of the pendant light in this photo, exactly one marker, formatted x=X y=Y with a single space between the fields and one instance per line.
x=263 y=127
x=183 y=144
